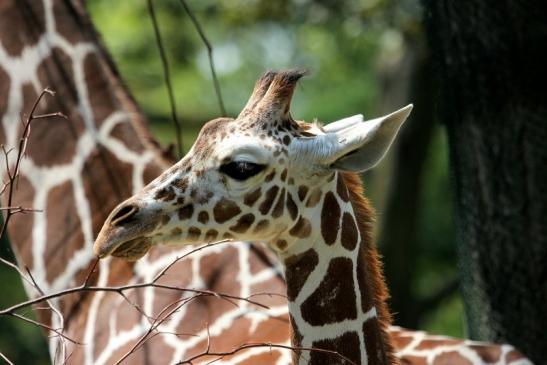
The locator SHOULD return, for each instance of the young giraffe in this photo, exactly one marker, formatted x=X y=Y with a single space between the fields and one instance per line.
x=265 y=177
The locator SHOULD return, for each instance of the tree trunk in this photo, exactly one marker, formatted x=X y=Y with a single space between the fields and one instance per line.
x=491 y=66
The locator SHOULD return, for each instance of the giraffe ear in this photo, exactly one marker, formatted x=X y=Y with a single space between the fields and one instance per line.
x=362 y=145
x=351 y=144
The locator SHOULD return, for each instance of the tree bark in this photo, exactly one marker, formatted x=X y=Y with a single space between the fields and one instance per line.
x=491 y=65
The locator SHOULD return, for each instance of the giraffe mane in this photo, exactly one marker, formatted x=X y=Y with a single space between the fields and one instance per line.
x=369 y=258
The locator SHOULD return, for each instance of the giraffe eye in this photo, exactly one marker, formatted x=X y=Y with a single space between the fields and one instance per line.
x=241 y=170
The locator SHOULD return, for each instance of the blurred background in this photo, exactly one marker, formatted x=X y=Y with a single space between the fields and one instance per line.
x=364 y=56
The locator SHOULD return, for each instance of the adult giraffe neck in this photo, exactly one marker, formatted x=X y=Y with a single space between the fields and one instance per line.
x=335 y=287
x=76 y=171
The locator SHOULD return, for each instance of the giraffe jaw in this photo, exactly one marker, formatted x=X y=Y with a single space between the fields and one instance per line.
x=132 y=250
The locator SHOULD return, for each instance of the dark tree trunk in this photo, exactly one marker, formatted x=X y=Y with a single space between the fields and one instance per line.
x=492 y=65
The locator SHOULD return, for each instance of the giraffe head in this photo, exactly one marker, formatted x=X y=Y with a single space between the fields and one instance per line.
x=258 y=177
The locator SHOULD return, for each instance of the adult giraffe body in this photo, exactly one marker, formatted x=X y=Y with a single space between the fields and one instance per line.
x=78 y=170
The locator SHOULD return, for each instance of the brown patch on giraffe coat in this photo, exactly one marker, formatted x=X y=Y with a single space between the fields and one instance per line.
x=268 y=201
x=66 y=24
x=281 y=244
x=400 y=342
x=302 y=191
x=186 y=212
x=490 y=354
x=431 y=344
x=12 y=16
x=301 y=229
x=270 y=357
x=194 y=233
x=126 y=134
x=291 y=206
x=284 y=175
x=55 y=131
x=219 y=271
x=280 y=205
x=243 y=223
x=346 y=345
x=452 y=357
x=211 y=235
x=19 y=230
x=270 y=176
x=250 y=198
x=297 y=269
x=342 y=189
x=165 y=219
x=225 y=210
x=413 y=360
x=176 y=231
x=102 y=169
x=349 y=232
x=334 y=299
x=261 y=226
x=102 y=103
x=374 y=345
x=330 y=218
x=181 y=184
x=165 y=194
x=314 y=198
x=286 y=140
x=60 y=211
x=203 y=217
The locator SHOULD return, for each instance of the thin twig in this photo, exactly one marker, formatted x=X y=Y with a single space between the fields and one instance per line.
x=45 y=326
x=5 y=358
x=164 y=314
x=203 y=37
x=13 y=175
x=246 y=346
x=166 y=76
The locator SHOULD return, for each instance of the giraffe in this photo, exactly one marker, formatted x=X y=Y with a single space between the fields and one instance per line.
x=294 y=185
x=76 y=171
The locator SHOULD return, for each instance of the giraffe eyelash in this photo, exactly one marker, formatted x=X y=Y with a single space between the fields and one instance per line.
x=241 y=170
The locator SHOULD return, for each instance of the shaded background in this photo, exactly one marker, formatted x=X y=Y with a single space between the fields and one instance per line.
x=365 y=56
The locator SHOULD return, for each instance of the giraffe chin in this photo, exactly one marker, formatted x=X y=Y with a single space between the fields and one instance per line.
x=133 y=250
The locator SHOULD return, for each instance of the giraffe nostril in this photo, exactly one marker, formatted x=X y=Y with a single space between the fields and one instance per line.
x=123 y=215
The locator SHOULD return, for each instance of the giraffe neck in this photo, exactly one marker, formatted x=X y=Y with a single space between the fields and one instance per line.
x=334 y=284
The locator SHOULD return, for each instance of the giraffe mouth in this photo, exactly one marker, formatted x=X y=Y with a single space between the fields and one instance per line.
x=132 y=250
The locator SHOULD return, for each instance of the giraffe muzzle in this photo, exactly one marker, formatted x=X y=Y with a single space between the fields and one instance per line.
x=124 y=232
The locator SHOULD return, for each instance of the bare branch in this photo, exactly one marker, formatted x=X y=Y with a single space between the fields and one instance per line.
x=5 y=358
x=167 y=77
x=221 y=355
x=203 y=37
